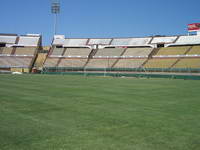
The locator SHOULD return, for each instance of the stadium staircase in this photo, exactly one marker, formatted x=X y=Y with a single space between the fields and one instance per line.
x=51 y=50
x=14 y=48
x=92 y=53
x=1 y=50
x=154 y=52
x=176 y=39
x=49 y=53
x=180 y=57
x=119 y=58
x=60 y=59
x=40 y=61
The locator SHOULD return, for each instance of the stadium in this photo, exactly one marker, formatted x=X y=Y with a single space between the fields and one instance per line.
x=169 y=56
x=115 y=93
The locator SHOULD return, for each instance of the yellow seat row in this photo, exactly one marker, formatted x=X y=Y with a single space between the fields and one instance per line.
x=51 y=62
x=101 y=63
x=194 y=50
x=25 y=51
x=180 y=50
x=129 y=63
x=137 y=52
x=160 y=63
x=15 y=62
x=110 y=52
x=7 y=50
x=188 y=63
x=72 y=62
x=84 y=52
x=19 y=51
x=57 y=51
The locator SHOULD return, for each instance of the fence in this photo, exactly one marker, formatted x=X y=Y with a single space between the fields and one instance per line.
x=83 y=69
x=182 y=73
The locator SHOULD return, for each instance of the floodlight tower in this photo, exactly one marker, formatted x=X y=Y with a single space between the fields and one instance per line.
x=55 y=10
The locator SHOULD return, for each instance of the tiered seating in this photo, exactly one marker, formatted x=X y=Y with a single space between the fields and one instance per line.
x=188 y=63
x=72 y=62
x=75 y=61
x=105 y=63
x=117 y=55
x=7 y=50
x=101 y=63
x=54 y=58
x=51 y=62
x=136 y=62
x=1 y=50
x=25 y=51
x=9 y=62
x=57 y=51
x=160 y=63
x=123 y=62
x=138 y=52
x=169 y=62
x=84 y=52
x=110 y=52
x=181 y=50
x=194 y=51
x=129 y=63
x=18 y=51
x=40 y=60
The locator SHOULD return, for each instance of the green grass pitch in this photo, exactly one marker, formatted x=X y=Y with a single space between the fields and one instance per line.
x=49 y=112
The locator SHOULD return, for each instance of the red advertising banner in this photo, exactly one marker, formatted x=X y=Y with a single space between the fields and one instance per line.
x=193 y=27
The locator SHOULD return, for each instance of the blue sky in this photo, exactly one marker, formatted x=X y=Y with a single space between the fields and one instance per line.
x=99 y=18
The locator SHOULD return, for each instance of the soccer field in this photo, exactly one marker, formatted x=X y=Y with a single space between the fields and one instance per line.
x=49 y=112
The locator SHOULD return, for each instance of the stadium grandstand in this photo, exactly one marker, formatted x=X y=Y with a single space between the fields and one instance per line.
x=148 y=54
x=25 y=53
x=18 y=53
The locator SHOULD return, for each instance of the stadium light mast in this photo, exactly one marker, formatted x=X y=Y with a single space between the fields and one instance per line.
x=55 y=10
